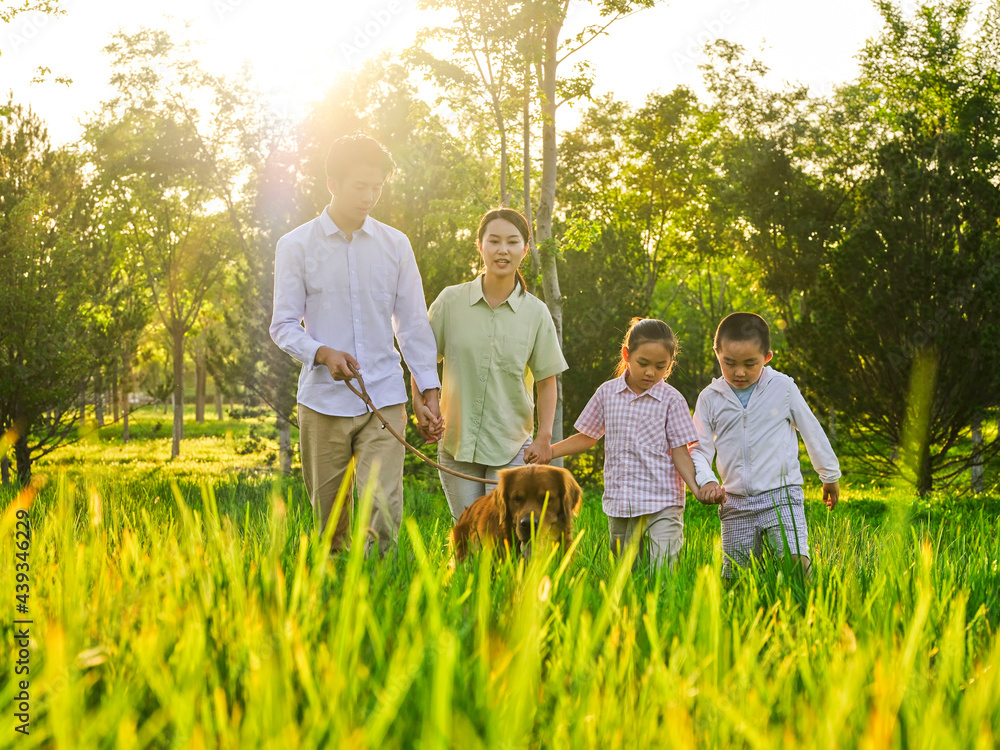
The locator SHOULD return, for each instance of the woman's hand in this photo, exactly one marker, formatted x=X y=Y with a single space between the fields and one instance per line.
x=430 y=425
x=427 y=410
x=540 y=451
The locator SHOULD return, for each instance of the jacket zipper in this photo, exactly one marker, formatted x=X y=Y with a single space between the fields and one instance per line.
x=746 y=456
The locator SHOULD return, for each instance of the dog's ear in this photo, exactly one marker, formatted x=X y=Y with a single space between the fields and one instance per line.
x=500 y=493
x=572 y=495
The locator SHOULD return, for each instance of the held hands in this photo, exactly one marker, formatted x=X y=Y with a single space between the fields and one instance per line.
x=338 y=363
x=427 y=410
x=711 y=493
x=539 y=452
x=831 y=494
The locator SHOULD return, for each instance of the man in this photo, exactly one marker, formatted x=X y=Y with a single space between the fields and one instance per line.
x=354 y=283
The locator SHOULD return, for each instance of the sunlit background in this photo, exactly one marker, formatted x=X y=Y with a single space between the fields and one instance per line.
x=297 y=50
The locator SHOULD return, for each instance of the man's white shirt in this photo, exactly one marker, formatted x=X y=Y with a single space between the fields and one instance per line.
x=354 y=296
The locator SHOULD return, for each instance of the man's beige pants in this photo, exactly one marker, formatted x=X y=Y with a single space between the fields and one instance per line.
x=328 y=444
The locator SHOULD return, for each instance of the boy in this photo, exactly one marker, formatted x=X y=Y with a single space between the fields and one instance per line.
x=354 y=283
x=749 y=417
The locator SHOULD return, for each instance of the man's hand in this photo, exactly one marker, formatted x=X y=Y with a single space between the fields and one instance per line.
x=338 y=363
x=831 y=494
x=711 y=493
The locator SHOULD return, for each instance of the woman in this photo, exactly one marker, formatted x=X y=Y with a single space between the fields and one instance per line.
x=495 y=339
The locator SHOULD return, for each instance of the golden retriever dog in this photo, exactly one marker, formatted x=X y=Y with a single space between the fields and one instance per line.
x=512 y=514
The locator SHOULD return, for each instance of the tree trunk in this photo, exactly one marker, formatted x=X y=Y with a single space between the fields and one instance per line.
x=201 y=381
x=22 y=456
x=976 y=464
x=83 y=406
x=116 y=398
x=99 y=399
x=924 y=476
x=126 y=392
x=536 y=263
x=4 y=469
x=284 y=444
x=178 y=336
x=504 y=157
x=546 y=202
x=218 y=400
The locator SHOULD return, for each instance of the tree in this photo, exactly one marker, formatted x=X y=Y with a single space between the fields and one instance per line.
x=650 y=230
x=162 y=163
x=533 y=33
x=48 y=293
x=894 y=242
x=241 y=352
x=483 y=67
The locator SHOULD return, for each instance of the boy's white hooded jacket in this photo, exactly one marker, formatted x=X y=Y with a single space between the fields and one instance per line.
x=758 y=447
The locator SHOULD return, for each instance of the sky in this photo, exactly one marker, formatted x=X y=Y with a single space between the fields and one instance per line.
x=296 y=52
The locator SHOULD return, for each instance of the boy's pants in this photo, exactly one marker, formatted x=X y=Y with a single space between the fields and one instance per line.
x=461 y=493
x=746 y=520
x=663 y=534
x=328 y=444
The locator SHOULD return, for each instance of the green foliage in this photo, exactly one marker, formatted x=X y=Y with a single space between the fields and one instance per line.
x=55 y=302
x=663 y=231
x=906 y=265
x=483 y=76
x=163 y=164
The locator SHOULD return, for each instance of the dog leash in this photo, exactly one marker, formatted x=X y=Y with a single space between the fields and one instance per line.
x=363 y=395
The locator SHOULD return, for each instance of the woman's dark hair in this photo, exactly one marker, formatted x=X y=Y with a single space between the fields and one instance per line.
x=743 y=326
x=642 y=331
x=516 y=218
x=356 y=149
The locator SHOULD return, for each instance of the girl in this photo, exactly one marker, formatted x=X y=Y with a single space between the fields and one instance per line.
x=648 y=428
x=494 y=338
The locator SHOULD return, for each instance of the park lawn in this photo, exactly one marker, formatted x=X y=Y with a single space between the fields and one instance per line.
x=189 y=603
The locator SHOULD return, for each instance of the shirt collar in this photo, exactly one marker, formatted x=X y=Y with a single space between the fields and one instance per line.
x=330 y=227
x=719 y=384
x=658 y=390
x=476 y=294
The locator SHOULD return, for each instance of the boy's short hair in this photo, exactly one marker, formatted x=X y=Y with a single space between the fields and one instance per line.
x=743 y=326
x=353 y=150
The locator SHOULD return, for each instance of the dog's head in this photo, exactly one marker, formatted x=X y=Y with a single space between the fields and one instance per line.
x=539 y=502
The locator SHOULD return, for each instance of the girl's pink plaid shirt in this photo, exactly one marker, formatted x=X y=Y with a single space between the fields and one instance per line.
x=639 y=432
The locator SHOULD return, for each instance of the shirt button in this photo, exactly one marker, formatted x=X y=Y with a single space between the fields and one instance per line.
x=490 y=335
x=483 y=378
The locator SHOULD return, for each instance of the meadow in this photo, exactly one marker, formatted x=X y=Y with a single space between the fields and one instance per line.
x=190 y=603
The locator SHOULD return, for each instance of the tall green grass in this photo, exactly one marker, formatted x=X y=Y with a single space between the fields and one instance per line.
x=187 y=615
